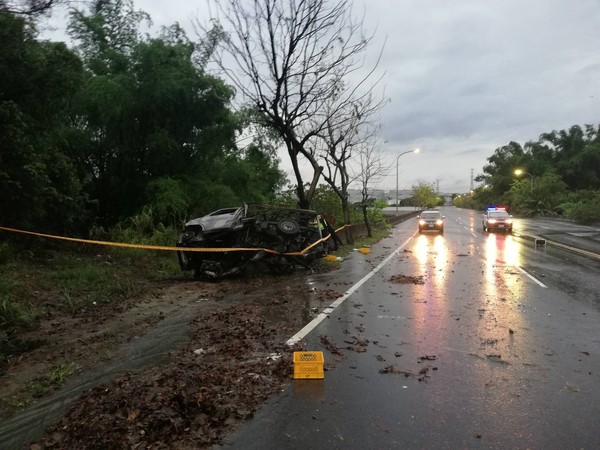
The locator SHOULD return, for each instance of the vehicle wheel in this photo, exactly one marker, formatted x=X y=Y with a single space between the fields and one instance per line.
x=187 y=236
x=289 y=227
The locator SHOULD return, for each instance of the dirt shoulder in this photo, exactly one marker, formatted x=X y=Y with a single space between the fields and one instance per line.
x=175 y=369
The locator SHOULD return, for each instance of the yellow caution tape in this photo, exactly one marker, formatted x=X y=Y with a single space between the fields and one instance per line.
x=168 y=248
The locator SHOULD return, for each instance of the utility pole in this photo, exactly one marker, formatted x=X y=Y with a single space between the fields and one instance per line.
x=416 y=150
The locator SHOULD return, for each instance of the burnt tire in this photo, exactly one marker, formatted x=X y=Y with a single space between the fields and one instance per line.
x=288 y=227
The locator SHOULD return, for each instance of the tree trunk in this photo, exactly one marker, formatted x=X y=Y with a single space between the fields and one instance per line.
x=348 y=229
x=366 y=219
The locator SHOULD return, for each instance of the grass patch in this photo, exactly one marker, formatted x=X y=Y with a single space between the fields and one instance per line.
x=362 y=241
x=11 y=284
x=85 y=283
x=59 y=374
x=13 y=315
x=66 y=279
x=359 y=241
x=42 y=386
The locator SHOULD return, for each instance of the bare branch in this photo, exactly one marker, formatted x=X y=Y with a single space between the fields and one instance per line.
x=28 y=7
x=289 y=59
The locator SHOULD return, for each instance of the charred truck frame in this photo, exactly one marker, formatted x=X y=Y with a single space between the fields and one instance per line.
x=227 y=240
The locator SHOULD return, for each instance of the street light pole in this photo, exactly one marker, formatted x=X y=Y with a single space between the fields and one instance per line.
x=522 y=172
x=416 y=150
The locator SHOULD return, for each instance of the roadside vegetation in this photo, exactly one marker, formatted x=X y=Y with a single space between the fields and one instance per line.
x=424 y=196
x=42 y=278
x=559 y=174
x=124 y=135
x=39 y=281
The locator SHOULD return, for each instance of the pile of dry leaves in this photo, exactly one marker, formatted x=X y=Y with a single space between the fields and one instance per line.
x=234 y=361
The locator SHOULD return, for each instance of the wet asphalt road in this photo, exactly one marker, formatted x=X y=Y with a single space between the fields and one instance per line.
x=498 y=348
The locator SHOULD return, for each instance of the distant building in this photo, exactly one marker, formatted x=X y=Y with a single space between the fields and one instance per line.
x=355 y=195
x=402 y=194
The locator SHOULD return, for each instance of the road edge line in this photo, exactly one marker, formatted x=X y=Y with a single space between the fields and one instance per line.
x=531 y=277
x=327 y=311
x=565 y=247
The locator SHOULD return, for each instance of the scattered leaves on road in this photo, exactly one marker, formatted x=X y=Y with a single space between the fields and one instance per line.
x=407 y=279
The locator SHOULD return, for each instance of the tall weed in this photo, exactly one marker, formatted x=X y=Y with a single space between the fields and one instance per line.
x=13 y=315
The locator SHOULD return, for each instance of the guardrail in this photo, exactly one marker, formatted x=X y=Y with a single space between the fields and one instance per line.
x=401 y=217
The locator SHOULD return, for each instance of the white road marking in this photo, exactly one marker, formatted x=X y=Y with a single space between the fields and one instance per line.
x=470 y=230
x=325 y=313
x=534 y=279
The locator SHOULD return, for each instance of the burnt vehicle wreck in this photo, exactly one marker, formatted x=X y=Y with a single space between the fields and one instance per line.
x=228 y=240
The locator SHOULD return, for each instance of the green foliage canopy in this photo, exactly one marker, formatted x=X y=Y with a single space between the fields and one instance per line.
x=38 y=182
x=558 y=166
x=127 y=123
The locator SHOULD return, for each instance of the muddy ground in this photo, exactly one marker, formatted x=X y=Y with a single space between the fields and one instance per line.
x=177 y=369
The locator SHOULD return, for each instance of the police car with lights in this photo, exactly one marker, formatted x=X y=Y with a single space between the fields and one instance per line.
x=497 y=218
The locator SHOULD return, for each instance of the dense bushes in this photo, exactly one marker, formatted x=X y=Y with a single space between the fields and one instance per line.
x=559 y=174
x=584 y=207
x=93 y=135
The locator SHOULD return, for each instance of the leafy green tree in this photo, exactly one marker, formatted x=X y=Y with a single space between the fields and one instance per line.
x=559 y=165
x=584 y=207
x=576 y=156
x=252 y=177
x=168 y=200
x=39 y=185
x=263 y=177
x=540 y=157
x=542 y=195
x=479 y=199
x=425 y=197
x=130 y=126
x=499 y=172
x=147 y=111
x=327 y=203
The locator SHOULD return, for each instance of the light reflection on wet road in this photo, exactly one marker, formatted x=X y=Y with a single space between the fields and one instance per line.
x=477 y=356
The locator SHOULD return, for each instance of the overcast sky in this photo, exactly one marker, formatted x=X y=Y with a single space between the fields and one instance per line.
x=466 y=76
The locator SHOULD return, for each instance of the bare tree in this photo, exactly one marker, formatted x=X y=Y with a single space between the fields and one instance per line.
x=288 y=58
x=371 y=171
x=28 y=7
x=349 y=127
